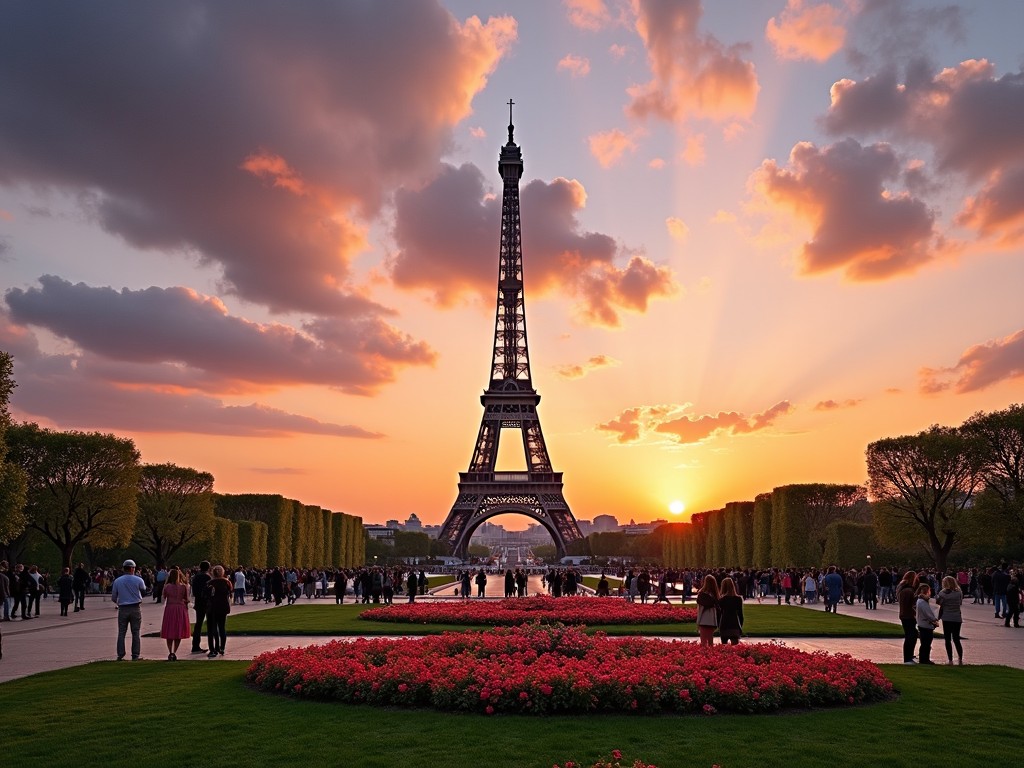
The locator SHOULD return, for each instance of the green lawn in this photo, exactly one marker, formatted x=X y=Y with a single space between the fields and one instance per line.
x=760 y=621
x=157 y=714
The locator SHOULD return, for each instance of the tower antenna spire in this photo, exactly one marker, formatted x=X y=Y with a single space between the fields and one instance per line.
x=511 y=127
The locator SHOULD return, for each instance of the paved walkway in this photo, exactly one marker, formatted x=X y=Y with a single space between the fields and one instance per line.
x=52 y=642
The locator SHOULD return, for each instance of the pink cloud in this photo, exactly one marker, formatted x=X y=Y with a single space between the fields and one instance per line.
x=693 y=153
x=609 y=147
x=997 y=210
x=970 y=117
x=835 y=405
x=695 y=75
x=807 y=31
x=221 y=178
x=635 y=423
x=590 y=15
x=979 y=367
x=77 y=391
x=576 y=66
x=177 y=336
x=579 y=370
x=859 y=225
x=445 y=233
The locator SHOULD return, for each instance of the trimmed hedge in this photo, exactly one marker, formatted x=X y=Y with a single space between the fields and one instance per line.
x=271 y=509
x=761 y=555
x=252 y=543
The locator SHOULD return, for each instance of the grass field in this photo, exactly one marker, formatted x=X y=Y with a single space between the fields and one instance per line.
x=200 y=714
x=760 y=621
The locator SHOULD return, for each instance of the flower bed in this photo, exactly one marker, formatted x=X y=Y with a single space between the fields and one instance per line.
x=545 y=669
x=591 y=611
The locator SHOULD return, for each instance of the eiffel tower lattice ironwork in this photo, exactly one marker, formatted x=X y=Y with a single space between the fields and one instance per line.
x=510 y=403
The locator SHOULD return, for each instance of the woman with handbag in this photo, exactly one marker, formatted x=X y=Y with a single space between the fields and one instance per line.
x=707 y=610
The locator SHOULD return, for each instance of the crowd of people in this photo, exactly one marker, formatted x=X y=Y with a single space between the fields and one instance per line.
x=926 y=599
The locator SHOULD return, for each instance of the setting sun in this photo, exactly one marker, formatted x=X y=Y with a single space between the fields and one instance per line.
x=676 y=507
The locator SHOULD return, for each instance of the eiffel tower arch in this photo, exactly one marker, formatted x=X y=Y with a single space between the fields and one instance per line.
x=510 y=403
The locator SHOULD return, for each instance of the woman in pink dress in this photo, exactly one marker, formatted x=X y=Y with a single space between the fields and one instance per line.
x=175 y=626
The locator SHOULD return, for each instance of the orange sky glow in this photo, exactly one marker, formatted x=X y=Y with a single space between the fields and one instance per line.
x=755 y=238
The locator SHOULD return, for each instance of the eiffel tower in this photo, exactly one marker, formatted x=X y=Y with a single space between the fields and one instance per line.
x=510 y=403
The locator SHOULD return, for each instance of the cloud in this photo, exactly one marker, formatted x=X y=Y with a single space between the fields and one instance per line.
x=576 y=66
x=858 y=224
x=579 y=370
x=997 y=210
x=693 y=153
x=267 y=145
x=970 y=117
x=446 y=236
x=656 y=163
x=895 y=32
x=180 y=337
x=677 y=228
x=834 y=405
x=635 y=423
x=695 y=75
x=979 y=367
x=807 y=31
x=609 y=147
x=477 y=132
x=618 y=51
x=72 y=391
x=591 y=15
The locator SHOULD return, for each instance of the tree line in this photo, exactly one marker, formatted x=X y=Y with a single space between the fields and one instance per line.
x=945 y=492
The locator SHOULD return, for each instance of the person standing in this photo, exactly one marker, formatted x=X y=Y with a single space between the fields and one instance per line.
x=908 y=616
x=481 y=583
x=239 y=585
x=65 y=591
x=1013 y=602
x=218 y=606
x=707 y=610
x=199 y=582
x=730 y=626
x=340 y=582
x=926 y=623
x=79 y=584
x=412 y=585
x=832 y=585
x=174 y=627
x=949 y=601
x=158 y=584
x=126 y=593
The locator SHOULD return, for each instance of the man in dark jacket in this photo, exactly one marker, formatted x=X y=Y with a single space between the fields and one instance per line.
x=79 y=584
x=199 y=582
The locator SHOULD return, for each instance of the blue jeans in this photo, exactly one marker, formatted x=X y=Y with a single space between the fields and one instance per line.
x=129 y=615
x=1000 y=600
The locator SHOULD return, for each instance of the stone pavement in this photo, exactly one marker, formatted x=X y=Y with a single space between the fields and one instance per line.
x=52 y=642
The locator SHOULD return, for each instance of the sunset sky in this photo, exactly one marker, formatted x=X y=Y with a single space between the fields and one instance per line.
x=261 y=238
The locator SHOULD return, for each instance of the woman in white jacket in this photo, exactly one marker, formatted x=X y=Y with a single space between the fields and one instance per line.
x=926 y=623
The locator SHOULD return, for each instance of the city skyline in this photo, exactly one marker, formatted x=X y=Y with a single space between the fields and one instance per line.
x=262 y=240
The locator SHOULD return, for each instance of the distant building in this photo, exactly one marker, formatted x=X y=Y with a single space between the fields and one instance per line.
x=393 y=525
x=380 y=533
x=413 y=523
x=605 y=524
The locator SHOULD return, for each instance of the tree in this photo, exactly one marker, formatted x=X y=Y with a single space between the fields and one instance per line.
x=175 y=508
x=82 y=486
x=13 y=483
x=923 y=483
x=411 y=544
x=1001 y=437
